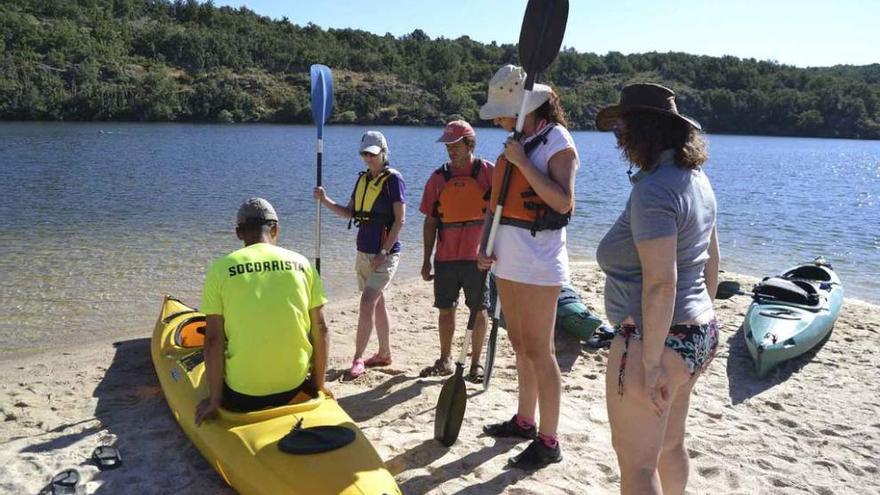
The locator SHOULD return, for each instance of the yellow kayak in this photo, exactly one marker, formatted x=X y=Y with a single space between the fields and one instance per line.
x=243 y=447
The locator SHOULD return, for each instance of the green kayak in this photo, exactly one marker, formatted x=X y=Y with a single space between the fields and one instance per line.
x=791 y=313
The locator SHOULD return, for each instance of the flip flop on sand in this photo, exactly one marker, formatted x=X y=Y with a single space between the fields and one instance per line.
x=64 y=483
x=440 y=368
x=106 y=457
x=377 y=360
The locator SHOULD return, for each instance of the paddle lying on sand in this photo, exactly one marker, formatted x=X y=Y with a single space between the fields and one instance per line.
x=539 y=40
x=540 y=37
x=322 y=106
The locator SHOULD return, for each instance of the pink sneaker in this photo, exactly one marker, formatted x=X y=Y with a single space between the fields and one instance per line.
x=357 y=368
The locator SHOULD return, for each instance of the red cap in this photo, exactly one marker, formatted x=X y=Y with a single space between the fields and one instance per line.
x=455 y=131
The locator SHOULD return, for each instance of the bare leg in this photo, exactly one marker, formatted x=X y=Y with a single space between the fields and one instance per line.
x=369 y=297
x=637 y=433
x=478 y=337
x=674 y=463
x=528 y=388
x=383 y=327
x=537 y=319
x=446 y=325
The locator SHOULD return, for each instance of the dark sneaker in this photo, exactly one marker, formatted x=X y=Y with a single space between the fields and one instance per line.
x=510 y=428
x=536 y=456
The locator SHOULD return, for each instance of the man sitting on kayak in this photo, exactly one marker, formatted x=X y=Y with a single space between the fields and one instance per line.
x=265 y=322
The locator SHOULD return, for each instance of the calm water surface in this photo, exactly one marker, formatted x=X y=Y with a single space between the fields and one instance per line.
x=98 y=221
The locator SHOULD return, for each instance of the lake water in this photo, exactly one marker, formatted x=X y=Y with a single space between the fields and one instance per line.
x=98 y=221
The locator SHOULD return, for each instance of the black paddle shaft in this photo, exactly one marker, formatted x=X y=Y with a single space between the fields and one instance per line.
x=318 y=180
x=540 y=38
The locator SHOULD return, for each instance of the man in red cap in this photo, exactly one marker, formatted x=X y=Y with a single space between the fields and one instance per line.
x=454 y=204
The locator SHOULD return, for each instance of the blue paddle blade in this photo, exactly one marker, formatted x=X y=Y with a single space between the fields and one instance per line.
x=322 y=96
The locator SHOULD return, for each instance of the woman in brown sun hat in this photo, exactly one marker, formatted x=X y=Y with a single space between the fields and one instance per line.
x=661 y=262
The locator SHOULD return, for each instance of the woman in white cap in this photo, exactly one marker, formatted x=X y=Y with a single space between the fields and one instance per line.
x=530 y=257
x=377 y=207
x=661 y=262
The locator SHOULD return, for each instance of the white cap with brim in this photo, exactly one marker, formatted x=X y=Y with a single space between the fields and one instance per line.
x=373 y=142
x=506 y=93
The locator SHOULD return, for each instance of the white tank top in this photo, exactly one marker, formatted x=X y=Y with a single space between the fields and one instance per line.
x=541 y=259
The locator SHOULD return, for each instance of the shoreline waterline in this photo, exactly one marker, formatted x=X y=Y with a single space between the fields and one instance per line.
x=409 y=284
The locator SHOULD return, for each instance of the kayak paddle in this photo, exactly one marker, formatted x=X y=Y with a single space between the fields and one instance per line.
x=490 y=347
x=728 y=289
x=322 y=106
x=539 y=40
x=453 y=395
x=540 y=37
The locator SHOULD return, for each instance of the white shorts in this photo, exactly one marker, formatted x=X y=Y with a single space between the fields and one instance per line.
x=539 y=260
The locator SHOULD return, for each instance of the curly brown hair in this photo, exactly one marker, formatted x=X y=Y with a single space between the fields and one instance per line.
x=551 y=110
x=644 y=135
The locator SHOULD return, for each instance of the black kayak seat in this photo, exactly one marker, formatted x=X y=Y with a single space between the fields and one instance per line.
x=316 y=439
x=808 y=272
x=791 y=291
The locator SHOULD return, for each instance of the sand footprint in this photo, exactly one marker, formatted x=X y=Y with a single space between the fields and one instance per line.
x=788 y=423
x=828 y=432
x=693 y=453
x=788 y=459
x=709 y=471
x=840 y=427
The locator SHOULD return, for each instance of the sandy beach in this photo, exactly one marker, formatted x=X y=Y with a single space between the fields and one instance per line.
x=812 y=426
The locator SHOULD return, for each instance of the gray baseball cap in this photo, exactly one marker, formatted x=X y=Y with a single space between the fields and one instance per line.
x=256 y=210
x=373 y=142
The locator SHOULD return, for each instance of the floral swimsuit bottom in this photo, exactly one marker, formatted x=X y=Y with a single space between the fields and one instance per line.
x=696 y=344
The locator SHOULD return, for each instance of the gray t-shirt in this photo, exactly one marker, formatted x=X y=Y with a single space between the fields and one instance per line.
x=668 y=201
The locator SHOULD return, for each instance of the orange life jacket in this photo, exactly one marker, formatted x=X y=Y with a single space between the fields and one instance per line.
x=523 y=207
x=462 y=201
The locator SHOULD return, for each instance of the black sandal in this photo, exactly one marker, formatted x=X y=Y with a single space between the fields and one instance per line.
x=437 y=369
x=475 y=375
x=509 y=429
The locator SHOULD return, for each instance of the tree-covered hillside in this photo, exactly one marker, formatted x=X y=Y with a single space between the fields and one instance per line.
x=191 y=61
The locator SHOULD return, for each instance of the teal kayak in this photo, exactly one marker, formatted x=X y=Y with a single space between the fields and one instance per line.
x=791 y=313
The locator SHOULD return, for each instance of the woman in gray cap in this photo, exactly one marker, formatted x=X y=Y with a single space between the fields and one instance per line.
x=530 y=256
x=661 y=262
x=377 y=207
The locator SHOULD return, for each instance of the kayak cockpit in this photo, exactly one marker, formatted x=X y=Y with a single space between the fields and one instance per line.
x=808 y=272
x=782 y=290
x=190 y=332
